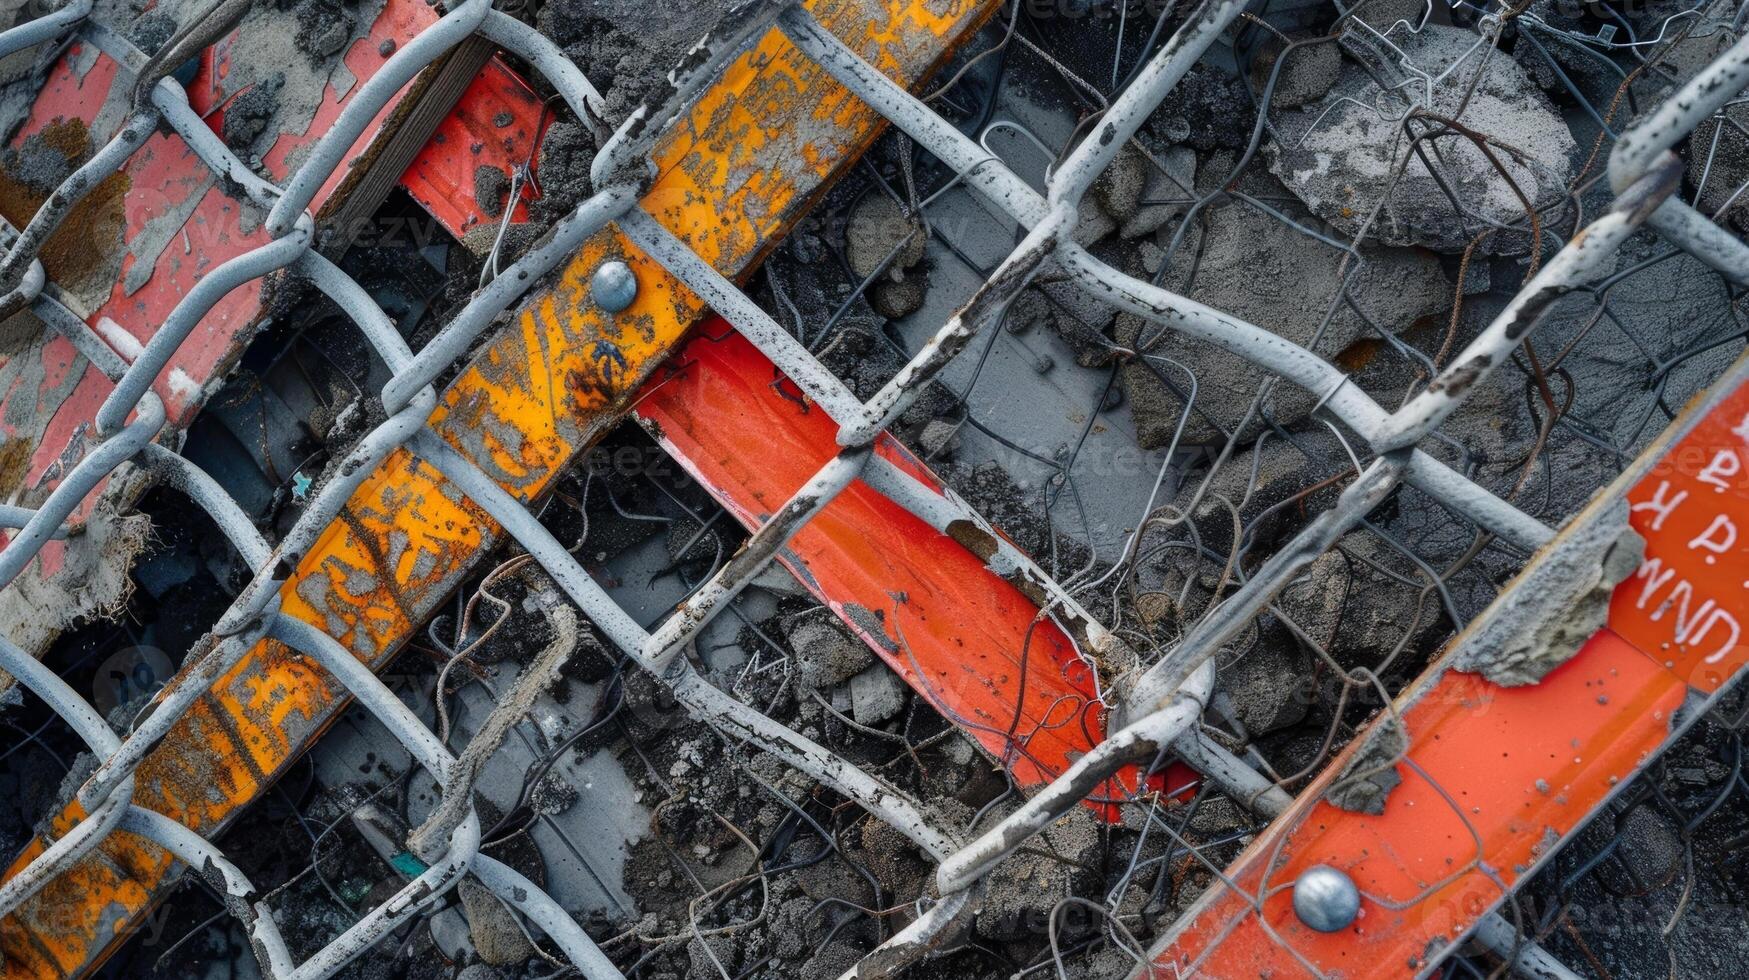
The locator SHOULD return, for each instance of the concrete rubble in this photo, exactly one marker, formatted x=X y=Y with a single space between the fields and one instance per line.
x=1352 y=156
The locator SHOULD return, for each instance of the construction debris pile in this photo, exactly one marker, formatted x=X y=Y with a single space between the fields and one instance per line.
x=1375 y=184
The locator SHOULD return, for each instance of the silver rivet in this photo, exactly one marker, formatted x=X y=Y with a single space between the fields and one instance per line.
x=614 y=286
x=1325 y=899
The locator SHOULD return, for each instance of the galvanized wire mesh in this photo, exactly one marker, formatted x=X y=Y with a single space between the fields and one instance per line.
x=1153 y=711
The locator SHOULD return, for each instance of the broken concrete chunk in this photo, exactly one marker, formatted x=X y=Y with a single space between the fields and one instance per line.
x=790 y=929
x=324 y=28
x=1552 y=48
x=625 y=45
x=876 y=695
x=894 y=298
x=1315 y=599
x=1254 y=482
x=1557 y=604
x=1371 y=775
x=566 y=151
x=1494 y=425
x=497 y=937
x=877 y=226
x=1350 y=153
x=1355 y=601
x=1255 y=267
x=1022 y=890
x=1269 y=683
x=490 y=186
x=1092 y=222
x=1027 y=311
x=482 y=238
x=860 y=354
x=938 y=438
x=151 y=31
x=1307 y=75
x=1120 y=185
x=826 y=655
x=891 y=855
x=1652 y=846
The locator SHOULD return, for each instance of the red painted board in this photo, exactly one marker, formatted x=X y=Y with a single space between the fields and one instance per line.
x=957 y=632
x=497 y=123
x=1687 y=604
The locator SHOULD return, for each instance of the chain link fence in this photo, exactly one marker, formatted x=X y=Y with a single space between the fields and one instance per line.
x=1333 y=464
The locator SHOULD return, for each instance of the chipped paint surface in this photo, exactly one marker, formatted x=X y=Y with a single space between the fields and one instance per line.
x=441 y=177
x=1562 y=601
x=736 y=171
x=172 y=223
x=1495 y=776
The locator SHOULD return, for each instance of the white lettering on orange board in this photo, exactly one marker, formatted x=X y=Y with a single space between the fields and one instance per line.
x=1691 y=625
x=1718 y=538
x=1660 y=504
x=1725 y=464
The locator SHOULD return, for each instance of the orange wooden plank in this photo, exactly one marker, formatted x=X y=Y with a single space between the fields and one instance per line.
x=533 y=398
x=1494 y=776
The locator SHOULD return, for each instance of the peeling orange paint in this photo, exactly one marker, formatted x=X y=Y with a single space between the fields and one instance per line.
x=732 y=178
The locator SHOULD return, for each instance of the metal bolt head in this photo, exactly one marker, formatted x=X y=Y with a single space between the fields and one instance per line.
x=1325 y=899
x=614 y=286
